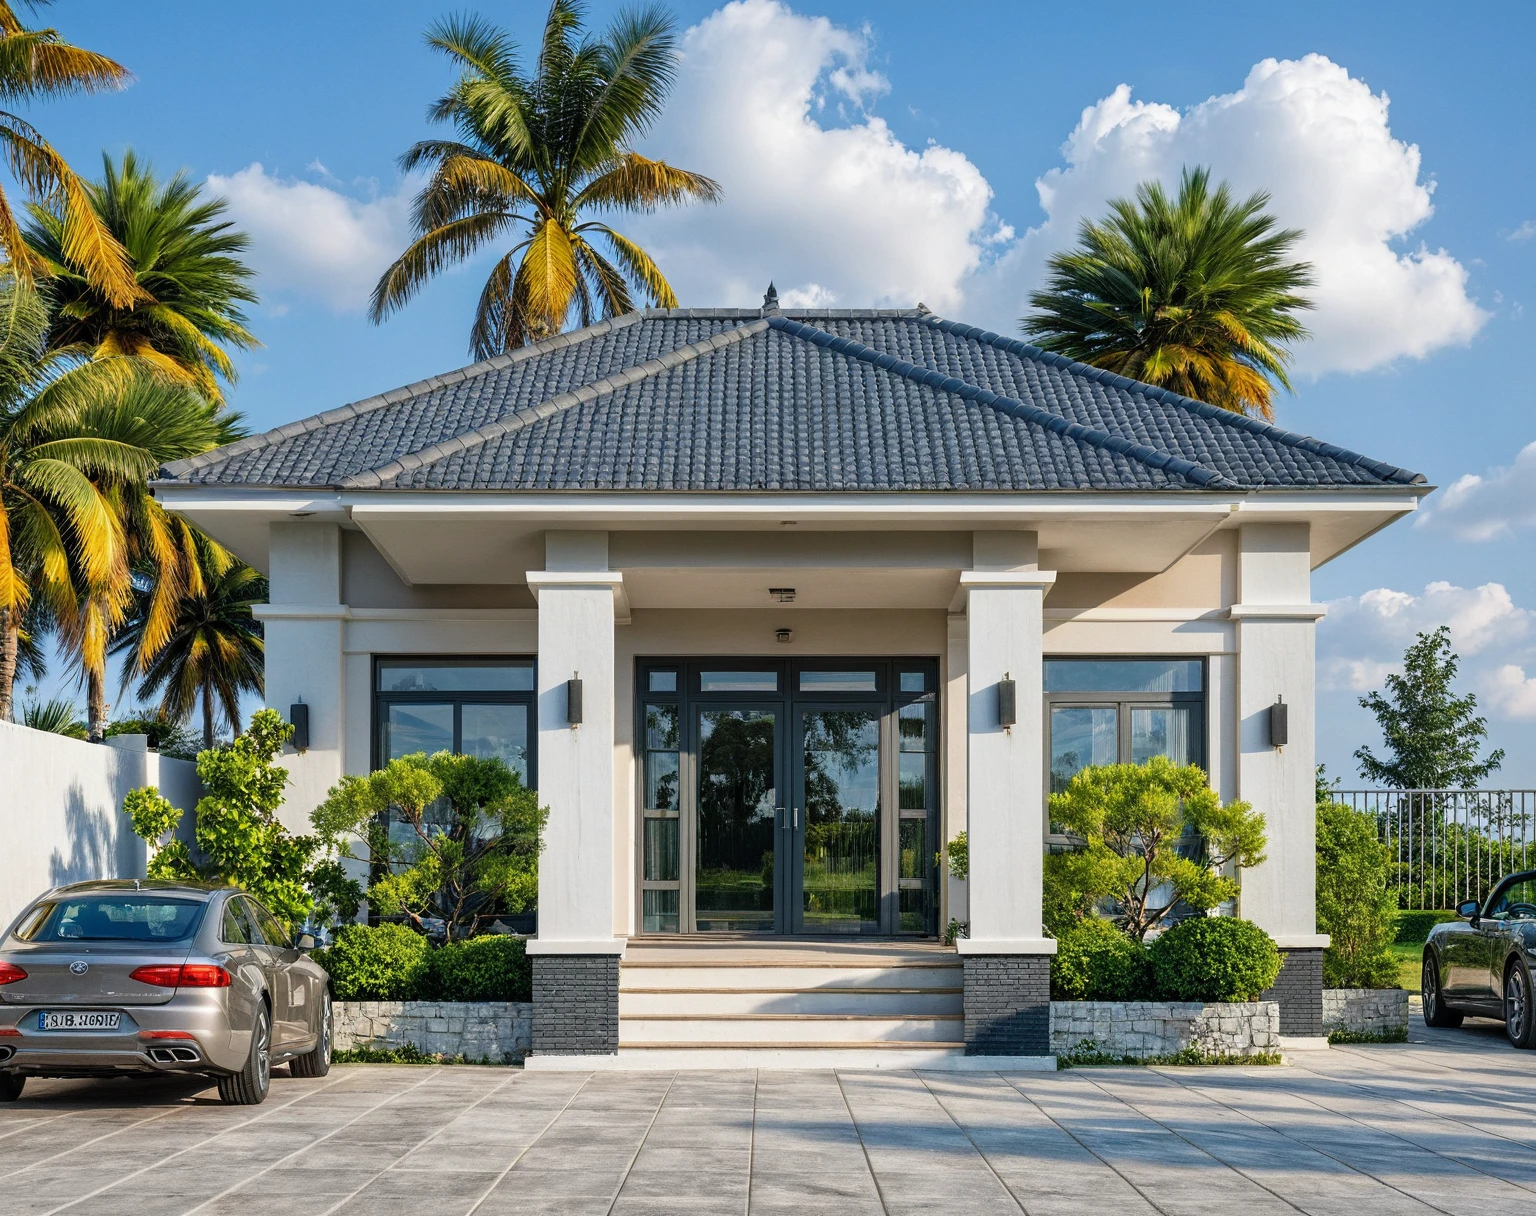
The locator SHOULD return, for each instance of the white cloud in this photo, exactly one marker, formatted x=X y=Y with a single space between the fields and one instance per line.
x=1481 y=507
x=311 y=240
x=818 y=191
x=1509 y=689
x=1318 y=141
x=1525 y=232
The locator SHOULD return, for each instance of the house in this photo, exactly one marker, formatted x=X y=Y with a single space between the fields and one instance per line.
x=769 y=605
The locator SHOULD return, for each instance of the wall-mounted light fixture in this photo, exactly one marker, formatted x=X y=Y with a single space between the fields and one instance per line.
x=1007 y=702
x=298 y=715
x=573 y=701
x=784 y=635
x=1279 y=723
x=785 y=595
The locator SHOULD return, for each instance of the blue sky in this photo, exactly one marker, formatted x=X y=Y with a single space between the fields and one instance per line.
x=886 y=153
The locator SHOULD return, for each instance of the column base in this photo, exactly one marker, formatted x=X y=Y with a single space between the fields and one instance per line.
x=1298 y=991
x=576 y=1004
x=1008 y=1004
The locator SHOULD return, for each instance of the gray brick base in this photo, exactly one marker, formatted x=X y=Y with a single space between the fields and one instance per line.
x=1007 y=1004
x=1299 y=992
x=575 y=1004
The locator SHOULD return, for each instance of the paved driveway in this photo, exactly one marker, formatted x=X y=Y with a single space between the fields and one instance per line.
x=1442 y=1125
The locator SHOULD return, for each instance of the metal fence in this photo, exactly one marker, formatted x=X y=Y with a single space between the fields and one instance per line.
x=1450 y=845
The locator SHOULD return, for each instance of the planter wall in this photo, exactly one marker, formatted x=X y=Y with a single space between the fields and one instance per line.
x=1161 y=1028
x=1365 y=1010
x=478 y=1030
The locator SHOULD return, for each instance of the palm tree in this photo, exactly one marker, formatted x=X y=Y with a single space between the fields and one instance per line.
x=214 y=651
x=36 y=64
x=57 y=717
x=1194 y=295
x=184 y=258
x=536 y=156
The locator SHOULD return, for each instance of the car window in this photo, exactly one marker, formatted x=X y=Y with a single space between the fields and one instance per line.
x=129 y=917
x=271 y=927
x=248 y=918
x=1516 y=901
x=236 y=931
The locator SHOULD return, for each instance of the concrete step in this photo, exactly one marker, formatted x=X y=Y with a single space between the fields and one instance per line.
x=892 y=1002
x=780 y=976
x=775 y=1029
x=937 y=1057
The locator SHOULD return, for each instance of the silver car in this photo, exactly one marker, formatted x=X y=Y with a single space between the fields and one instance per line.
x=107 y=978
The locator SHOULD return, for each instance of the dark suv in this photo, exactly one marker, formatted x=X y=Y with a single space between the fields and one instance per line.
x=1482 y=965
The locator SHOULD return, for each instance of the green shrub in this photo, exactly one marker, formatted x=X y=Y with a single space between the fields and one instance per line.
x=1096 y=961
x=376 y=963
x=1413 y=927
x=1214 y=958
x=488 y=968
x=1355 y=905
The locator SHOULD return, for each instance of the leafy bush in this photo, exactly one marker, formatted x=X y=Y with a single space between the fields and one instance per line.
x=1413 y=927
x=1214 y=958
x=166 y=736
x=376 y=963
x=1355 y=904
x=488 y=968
x=1095 y=961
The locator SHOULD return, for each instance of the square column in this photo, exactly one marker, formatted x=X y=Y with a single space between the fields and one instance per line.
x=1006 y=956
x=576 y=955
x=1276 y=641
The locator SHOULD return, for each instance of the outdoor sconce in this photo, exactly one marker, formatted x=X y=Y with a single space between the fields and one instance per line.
x=784 y=635
x=298 y=715
x=1007 y=702
x=1279 y=723
x=573 y=701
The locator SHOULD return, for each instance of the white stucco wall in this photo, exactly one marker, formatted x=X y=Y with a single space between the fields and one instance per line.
x=61 y=817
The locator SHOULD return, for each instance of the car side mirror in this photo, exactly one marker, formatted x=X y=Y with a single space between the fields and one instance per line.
x=306 y=942
x=1468 y=908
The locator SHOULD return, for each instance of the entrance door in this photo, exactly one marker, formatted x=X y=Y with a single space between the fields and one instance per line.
x=834 y=881
x=737 y=838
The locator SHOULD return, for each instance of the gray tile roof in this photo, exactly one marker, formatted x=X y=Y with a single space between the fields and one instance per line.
x=730 y=399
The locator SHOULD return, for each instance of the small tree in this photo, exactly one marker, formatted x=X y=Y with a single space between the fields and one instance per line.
x=1434 y=736
x=1355 y=905
x=239 y=837
x=1155 y=835
x=476 y=831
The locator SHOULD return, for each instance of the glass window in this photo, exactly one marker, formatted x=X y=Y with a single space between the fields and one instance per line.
x=914 y=681
x=271 y=927
x=1124 y=675
x=234 y=931
x=659 y=911
x=1164 y=731
x=455 y=675
x=738 y=681
x=838 y=681
x=661 y=849
x=662 y=681
x=411 y=727
x=1516 y=901
x=120 y=918
x=496 y=730
x=1080 y=736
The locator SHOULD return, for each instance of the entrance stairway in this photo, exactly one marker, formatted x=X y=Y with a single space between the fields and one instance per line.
x=790 y=1003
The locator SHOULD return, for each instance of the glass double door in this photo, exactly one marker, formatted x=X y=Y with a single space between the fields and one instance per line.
x=788 y=818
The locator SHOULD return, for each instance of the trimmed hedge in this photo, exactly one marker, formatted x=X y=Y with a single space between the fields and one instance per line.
x=1413 y=927
x=1097 y=961
x=391 y=962
x=1214 y=958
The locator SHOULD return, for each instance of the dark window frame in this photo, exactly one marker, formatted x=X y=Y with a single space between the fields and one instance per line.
x=380 y=700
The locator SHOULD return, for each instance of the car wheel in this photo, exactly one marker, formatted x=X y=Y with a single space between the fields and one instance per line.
x=10 y=1086
x=1519 y=1012
x=249 y=1086
x=317 y=1061
x=1435 y=1012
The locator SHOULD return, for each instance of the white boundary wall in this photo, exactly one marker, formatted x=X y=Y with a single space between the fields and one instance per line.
x=61 y=814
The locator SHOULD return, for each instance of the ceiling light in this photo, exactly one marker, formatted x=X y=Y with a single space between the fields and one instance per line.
x=785 y=595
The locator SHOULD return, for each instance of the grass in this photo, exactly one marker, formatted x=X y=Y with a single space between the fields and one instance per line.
x=1341 y=1037
x=1088 y=1055
x=1410 y=964
x=408 y=1054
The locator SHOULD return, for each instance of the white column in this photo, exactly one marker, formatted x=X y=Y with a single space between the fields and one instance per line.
x=957 y=743
x=1276 y=627
x=303 y=637
x=1005 y=801
x=577 y=595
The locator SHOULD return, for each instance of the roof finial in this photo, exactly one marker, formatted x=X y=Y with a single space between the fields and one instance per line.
x=771 y=298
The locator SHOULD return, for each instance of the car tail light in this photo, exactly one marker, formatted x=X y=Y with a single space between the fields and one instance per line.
x=9 y=1032
x=166 y=1034
x=184 y=975
x=10 y=973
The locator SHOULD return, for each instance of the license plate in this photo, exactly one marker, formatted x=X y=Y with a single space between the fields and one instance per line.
x=78 y=1019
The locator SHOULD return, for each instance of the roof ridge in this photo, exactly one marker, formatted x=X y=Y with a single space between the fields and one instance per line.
x=744 y=314
x=375 y=478
x=1152 y=457
x=1306 y=443
x=394 y=396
